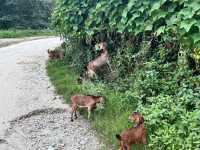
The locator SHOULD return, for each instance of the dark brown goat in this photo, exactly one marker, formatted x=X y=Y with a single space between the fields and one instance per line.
x=134 y=135
x=84 y=101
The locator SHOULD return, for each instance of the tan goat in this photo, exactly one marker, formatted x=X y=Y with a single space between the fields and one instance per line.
x=55 y=54
x=84 y=101
x=98 y=62
x=134 y=135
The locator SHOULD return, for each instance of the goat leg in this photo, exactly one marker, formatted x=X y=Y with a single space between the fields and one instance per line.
x=121 y=146
x=76 y=115
x=109 y=66
x=72 y=116
x=91 y=73
x=144 y=140
x=74 y=107
x=89 y=112
x=128 y=147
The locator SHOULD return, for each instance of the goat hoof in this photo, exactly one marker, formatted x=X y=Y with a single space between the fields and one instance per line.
x=72 y=120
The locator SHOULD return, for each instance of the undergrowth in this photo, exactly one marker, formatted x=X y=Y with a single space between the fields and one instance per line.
x=154 y=54
x=108 y=121
x=167 y=95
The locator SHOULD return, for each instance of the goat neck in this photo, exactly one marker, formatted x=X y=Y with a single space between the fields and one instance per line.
x=139 y=124
x=104 y=51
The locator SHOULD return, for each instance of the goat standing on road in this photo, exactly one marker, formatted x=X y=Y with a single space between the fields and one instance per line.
x=134 y=135
x=82 y=101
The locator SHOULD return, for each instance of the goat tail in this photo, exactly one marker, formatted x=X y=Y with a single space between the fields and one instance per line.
x=118 y=137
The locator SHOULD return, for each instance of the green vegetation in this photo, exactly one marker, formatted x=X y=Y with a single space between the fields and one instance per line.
x=169 y=18
x=65 y=82
x=25 y=18
x=154 y=51
x=24 y=33
x=24 y=14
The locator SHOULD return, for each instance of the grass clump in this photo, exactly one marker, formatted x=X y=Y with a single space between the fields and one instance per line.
x=108 y=121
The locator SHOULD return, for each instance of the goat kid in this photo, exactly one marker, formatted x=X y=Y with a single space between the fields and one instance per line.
x=134 y=135
x=98 y=62
x=82 y=101
x=55 y=54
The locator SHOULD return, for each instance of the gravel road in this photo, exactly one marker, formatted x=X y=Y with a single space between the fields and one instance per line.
x=32 y=116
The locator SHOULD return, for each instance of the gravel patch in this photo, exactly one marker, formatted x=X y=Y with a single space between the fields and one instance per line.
x=51 y=129
x=32 y=116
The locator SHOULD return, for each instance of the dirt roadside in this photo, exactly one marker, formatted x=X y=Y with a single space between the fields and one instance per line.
x=32 y=116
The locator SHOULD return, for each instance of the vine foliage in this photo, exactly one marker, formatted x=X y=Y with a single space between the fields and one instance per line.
x=154 y=46
x=85 y=18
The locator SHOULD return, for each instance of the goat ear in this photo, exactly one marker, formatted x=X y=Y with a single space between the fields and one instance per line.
x=105 y=44
x=141 y=120
x=118 y=136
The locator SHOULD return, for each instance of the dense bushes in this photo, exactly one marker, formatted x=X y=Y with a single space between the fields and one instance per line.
x=22 y=14
x=85 y=18
x=155 y=57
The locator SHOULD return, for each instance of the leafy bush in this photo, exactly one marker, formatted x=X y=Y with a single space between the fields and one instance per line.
x=163 y=17
x=171 y=125
x=154 y=50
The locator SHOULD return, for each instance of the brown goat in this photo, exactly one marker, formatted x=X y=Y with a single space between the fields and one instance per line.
x=134 y=135
x=98 y=62
x=84 y=101
x=55 y=54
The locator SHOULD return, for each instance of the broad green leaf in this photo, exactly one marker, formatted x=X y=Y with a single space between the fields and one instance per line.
x=155 y=6
x=187 y=24
x=196 y=37
x=124 y=14
x=172 y=20
x=187 y=13
x=156 y=15
x=160 y=30
x=131 y=3
x=194 y=5
x=149 y=27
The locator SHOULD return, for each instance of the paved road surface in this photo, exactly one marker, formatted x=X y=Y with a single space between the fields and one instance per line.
x=10 y=41
x=39 y=119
